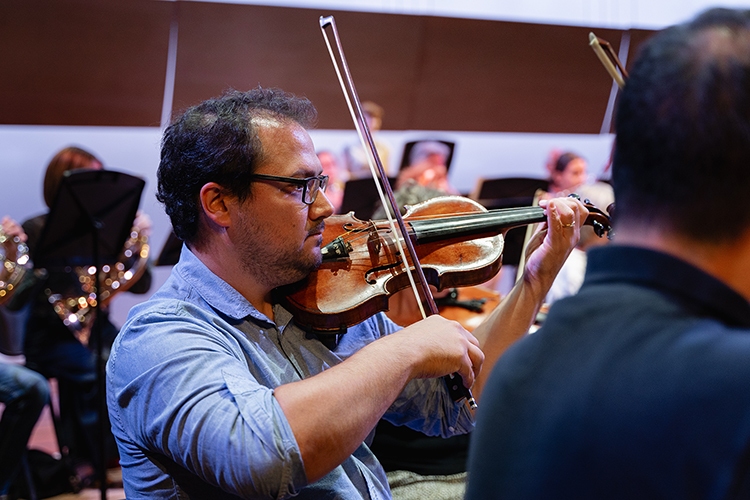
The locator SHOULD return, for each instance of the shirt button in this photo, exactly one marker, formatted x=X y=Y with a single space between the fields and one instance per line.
x=452 y=429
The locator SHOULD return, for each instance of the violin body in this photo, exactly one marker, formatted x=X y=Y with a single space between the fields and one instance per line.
x=457 y=242
x=345 y=291
x=470 y=318
x=468 y=305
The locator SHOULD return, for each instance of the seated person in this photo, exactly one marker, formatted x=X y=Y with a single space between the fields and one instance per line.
x=337 y=177
x=427 y=167
x=24 y=394
x=567 y=171
x=57 y=351
x=355 y=158
x=216 y=390
x=570 y=278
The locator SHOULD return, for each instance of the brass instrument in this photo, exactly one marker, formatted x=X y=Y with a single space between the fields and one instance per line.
x=14 y=255
x=75 y=305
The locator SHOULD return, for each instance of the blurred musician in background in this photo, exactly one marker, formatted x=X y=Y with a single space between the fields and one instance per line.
x=50 y=347
x=24 y=393
x=355 y=158
x=337 y=177
x=567 y=171
x=570 y=277
x=428 y=166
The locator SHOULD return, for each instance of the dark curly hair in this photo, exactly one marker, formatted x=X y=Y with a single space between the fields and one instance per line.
x=682 y=154
x=217 y=141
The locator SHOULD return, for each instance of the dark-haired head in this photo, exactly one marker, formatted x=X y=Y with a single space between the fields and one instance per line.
x=567 y=171
x=217 y=141
x=564 y=160
x=682 y=152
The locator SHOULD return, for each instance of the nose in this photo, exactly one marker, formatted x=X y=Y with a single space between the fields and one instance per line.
x=321 y=207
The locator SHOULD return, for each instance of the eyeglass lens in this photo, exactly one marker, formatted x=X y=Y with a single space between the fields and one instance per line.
x=314 y=184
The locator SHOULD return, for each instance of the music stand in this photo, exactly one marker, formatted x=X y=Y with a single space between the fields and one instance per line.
x=509 y=192
x=361 y=197
x=88 y=223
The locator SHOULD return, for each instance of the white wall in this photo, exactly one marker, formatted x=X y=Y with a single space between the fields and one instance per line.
x=26 y=150
x=624 y=14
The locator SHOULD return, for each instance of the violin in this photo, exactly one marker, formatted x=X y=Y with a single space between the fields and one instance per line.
x=313 y=302
x=458 y=243
x=470 y=305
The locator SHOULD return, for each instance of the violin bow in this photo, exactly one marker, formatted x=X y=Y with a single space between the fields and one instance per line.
x=328 y=23
x=609 y=59
x=607 y=56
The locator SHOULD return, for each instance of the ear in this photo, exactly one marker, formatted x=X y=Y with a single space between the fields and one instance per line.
x=215 y=202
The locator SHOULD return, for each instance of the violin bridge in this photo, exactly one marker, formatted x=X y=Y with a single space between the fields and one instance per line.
x=374 y=244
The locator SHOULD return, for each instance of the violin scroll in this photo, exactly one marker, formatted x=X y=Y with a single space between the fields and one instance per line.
x=600 y=221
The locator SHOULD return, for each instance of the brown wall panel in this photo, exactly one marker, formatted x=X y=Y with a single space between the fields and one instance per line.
x=77 y=62
x=240 y=46
x=95 y=62
x=428 y=73
x=514 y=77
x=637 y=37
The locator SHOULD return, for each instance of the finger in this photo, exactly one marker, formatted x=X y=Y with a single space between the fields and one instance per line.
x=562 y=213
x=477 y=360
x=471 y=338
x=468 y=376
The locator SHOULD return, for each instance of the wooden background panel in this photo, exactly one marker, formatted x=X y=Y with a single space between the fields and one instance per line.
x=637 y=37
x=429 y=73
x=225 y=46
x=93 y=62
x=513 y=77
x=77 y=62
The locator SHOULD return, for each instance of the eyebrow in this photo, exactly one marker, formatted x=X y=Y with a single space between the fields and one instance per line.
x=305 y=172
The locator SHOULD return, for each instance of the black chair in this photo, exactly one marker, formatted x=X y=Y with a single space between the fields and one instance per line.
x=507 y=192
x=12 y=325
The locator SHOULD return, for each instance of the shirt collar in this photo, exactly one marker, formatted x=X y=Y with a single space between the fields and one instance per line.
x=672 y=275
x=214 y=290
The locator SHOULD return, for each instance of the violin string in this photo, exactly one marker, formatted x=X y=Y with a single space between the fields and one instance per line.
x=361 y=232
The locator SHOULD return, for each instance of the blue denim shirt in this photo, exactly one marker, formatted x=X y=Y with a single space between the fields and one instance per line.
x=190 y=385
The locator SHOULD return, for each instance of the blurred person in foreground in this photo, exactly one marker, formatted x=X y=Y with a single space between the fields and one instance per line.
x=639 y=386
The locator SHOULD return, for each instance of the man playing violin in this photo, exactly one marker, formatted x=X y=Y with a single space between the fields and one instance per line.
x=215 y=392
x=639 y=386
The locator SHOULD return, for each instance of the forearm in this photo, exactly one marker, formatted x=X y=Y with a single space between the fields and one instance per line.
x=509 y=322
x=332 y=413
x=546 y=252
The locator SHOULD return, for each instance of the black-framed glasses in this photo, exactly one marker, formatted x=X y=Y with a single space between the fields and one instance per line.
x=310 y=185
